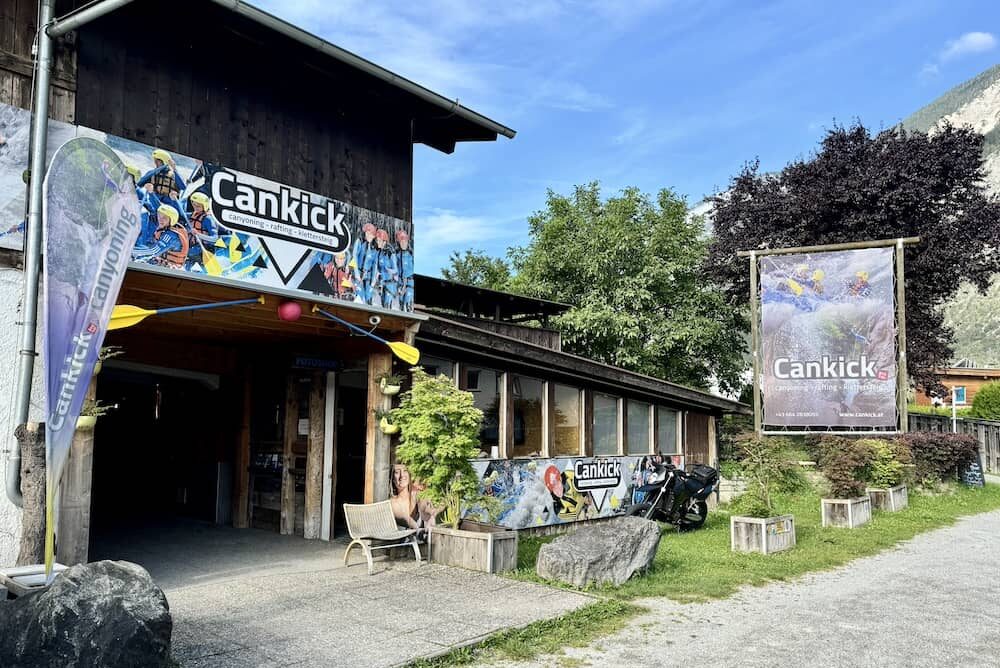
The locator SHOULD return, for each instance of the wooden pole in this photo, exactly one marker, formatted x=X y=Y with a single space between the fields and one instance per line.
x=901 y=374
x=851 y=245
x=376 y=443
x=312 y=521
x=288 y=458
x=241 y=516
x=755 y=344
x=73 y=528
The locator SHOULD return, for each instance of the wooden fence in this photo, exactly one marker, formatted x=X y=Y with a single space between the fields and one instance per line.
x=988 y=434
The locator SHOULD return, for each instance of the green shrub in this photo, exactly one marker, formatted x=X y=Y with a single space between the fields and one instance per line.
x=765 y=467
x=886 y=469
x=846 y=463
x=919 y=409
x=440 y=435
x=986 y=405
x=939 y=456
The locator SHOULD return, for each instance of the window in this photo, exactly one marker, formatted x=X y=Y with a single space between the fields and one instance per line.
x=666 y=431
x=484 y=384
x=436 y=366
x=526 y=401
x=605 y=425
x=566 y=421
x=638 y=436
x=958 y=393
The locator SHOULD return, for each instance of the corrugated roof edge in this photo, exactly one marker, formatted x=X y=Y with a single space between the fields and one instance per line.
x=726 y=405
x=319 y=44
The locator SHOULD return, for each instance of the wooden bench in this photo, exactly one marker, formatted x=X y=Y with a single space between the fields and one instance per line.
x=373 y=527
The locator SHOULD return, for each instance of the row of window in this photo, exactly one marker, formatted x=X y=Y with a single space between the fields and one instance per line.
x=551 y=419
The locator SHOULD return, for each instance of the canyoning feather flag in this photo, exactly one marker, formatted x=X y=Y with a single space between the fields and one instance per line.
x=91 y=220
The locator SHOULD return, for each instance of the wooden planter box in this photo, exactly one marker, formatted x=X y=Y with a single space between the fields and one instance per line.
x=477 y=547
x=847 y=513
x=891 y=500
x=764 y=535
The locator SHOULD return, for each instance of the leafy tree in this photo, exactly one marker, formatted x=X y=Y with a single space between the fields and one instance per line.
x=861 y=187
x=475 y=267
x=630 y=267
x=440 y=437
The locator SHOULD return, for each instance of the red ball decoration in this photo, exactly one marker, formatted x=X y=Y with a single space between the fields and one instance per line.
x=289 y=311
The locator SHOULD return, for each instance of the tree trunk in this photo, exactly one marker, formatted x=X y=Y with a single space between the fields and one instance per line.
x=31 y=440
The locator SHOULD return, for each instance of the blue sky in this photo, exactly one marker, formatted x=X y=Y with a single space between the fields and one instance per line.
x=654 y=94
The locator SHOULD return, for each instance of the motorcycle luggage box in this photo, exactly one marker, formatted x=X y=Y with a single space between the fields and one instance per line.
x=705 y=475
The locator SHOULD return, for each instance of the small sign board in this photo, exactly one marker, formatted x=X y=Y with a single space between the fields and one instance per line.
x=972 y=473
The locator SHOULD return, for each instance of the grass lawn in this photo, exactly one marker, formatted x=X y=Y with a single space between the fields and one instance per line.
x=699 y=565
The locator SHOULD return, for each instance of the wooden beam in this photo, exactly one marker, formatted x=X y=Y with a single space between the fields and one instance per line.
x=377 y=444
x=73 y=531
x=288 y=458
x=312 y=521
x=241 y=506
x=851 y=245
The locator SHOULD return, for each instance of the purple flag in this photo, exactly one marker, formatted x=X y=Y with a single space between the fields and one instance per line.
x=91 y=222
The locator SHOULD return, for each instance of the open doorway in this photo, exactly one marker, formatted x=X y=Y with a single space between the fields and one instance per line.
x=162 y=455
x=351 y=407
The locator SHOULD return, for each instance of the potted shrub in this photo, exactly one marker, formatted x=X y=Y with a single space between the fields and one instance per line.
x=106 y=353
x=440 y=437
x=756 y=525
x=846 y=464
x=89 y=412
x=385 y=422
x=887 y=491
x=390 y=384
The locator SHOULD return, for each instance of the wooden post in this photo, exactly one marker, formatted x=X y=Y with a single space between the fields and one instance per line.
x=73 y=524
x=312 y=520
x=755 y=345
x=902 y=384
x=376 y=443
x=241 y=514
x=505 y=428
x=288 y=458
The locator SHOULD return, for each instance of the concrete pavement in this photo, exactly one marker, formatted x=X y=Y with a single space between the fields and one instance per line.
x=933 y=601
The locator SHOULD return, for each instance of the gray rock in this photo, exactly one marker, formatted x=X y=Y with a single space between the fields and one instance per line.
x=107 y=614
x=602 y=552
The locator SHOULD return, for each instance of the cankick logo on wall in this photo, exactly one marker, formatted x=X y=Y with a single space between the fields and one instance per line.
x=206 y=219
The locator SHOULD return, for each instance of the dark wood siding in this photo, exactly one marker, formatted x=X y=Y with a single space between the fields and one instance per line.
x=18 y=24
x=209 y=84
x=696 y=446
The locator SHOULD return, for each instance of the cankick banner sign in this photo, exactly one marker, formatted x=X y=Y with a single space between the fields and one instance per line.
x=91 y=220
x=828 y=339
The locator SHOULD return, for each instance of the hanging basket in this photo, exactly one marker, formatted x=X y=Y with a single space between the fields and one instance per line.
x=85 y=422
x=387 y=389
x=387 y=427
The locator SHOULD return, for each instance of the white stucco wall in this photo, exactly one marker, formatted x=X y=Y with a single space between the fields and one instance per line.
x=10 y=301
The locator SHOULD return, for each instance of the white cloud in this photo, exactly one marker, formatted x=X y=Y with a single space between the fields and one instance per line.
x=970 y=42
x=967 y=44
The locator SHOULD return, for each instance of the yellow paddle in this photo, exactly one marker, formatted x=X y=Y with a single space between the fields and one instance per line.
x=403 y=351
x=126 y=315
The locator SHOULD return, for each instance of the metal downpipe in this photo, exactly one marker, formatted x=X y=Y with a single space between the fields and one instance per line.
x=33 y=246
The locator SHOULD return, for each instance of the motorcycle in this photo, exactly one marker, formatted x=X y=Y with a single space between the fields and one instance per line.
x=675 y=496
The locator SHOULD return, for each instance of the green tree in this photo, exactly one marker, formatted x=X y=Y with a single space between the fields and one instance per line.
x=475 y=267
x=861 y=187
x=630 y=267
x=439 y=437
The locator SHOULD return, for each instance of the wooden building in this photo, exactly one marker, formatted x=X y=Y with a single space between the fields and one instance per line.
x=235 y=416
x=962 y=382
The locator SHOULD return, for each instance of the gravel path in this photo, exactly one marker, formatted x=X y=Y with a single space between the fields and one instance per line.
x=933 y=601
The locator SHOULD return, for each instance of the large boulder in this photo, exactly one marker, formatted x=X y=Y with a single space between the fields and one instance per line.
x=107 y=614
x=601 y=552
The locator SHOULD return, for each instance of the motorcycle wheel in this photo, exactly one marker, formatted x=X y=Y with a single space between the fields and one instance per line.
x=643 y=510
x=694 y=516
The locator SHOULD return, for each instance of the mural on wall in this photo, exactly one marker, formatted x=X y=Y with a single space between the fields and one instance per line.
x=204 y=218
x=408 y=508
x=542 y=492
x=828 y=339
